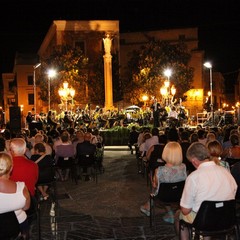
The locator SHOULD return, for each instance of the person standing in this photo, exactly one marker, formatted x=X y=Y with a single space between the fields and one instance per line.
x=133 y=138
x=156 y=113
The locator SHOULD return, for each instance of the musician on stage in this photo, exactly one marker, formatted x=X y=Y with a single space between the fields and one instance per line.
x=156 y=112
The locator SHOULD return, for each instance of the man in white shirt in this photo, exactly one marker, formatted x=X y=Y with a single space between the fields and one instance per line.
x=208 y=182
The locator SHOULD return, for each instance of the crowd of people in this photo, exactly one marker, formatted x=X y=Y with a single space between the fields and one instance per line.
x=31 y=160
x=174 y=153
x=199 y=156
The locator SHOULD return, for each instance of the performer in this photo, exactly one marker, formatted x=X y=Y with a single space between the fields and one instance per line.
x=156 y=111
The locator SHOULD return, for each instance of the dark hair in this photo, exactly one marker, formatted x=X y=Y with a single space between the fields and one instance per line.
x=234 y=139
x=173 y=135
x=40 y=147
x=155 y=132
x=184 y=135
x=2 y=144
x=65 y=136
x=163 y=138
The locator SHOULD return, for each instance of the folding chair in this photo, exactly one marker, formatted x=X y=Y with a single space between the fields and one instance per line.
x=232 y=161
x=214 y=218
x=9 y=226
x=168 y=194
x=88 y=161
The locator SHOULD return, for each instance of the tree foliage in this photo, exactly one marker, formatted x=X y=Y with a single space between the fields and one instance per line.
x=87 y=79
x=71 y=65
x=146 y=70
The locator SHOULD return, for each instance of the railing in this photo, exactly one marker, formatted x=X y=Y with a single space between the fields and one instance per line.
x=202 y=118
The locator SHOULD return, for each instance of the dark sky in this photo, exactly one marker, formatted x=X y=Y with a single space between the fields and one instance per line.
x=24 y=23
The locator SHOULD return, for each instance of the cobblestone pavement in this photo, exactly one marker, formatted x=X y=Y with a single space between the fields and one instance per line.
x=108 y=209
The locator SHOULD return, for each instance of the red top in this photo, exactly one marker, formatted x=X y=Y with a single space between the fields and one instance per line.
x=25 y=170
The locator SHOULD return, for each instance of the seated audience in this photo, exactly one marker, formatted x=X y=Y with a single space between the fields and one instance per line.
x=208 y=182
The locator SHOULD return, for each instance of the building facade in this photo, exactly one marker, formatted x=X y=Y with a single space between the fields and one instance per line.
x=88 y=35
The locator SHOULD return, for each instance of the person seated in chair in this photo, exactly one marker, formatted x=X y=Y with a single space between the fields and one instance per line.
x=14 y=195
x=133 y=138
x=173 y=171
x=86 y=148
x=24 y=169
x=208 y=182
x=64 y=156
x=46 y=168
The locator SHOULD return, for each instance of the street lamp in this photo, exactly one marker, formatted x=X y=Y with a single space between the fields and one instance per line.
x=51 y=73
x=145 y=98
x=209 y=66
x=168 y=91
x=34 y=89
x=65 y=93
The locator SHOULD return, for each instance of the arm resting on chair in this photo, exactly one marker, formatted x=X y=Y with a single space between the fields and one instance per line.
x=185 y=211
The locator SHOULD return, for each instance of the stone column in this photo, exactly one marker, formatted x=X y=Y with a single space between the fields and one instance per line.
x=108 y=73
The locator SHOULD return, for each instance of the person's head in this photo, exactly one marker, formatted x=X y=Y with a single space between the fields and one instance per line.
x=18 y=146
x=234 y=139
x=193 y=137
x=215 y=148
x=184 y=135
x=155 y=131
x=38 y=138
x=6 y=163
x=39 y=148
x=87 y=137
x=146 y=136
x=163 y=138
x=172 y=153
x=172 y=135
x=65 y=137
x=197 y=153
x=211 y=136
x=96 y=132
x=201 y=133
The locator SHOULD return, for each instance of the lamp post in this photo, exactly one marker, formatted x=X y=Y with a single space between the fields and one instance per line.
x=51 y=74
x=65 y=93
x=145 y=98
x=209 y=66
x=166 y=91
x=34 y=89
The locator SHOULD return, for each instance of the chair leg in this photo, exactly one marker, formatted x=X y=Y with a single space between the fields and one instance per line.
x=151 y=204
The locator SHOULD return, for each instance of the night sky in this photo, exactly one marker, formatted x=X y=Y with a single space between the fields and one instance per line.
x=27 y=22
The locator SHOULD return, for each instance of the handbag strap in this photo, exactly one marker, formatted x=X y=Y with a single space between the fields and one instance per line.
x=39 y=159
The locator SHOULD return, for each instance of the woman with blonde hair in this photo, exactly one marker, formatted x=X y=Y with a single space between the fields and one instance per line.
x=173 y=171
x=14 y=196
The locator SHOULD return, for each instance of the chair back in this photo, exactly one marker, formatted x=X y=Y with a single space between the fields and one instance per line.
x=88 y=159
x=170 y=192
x=215 y=215
x=232 y=161
x=9 y=226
